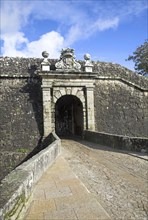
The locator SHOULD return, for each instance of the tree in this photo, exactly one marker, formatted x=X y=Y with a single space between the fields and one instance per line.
x=140 y=58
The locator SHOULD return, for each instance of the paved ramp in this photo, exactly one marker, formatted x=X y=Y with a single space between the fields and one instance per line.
x=89 y=181
x=117 y=179
x=59 y=194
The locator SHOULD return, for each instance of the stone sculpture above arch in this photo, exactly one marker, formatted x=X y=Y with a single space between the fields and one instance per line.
x=67 y=61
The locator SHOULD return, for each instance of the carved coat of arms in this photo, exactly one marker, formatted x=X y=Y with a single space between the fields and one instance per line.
x=67 y=61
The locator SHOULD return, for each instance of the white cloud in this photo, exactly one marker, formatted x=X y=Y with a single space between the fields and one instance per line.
x=74 y=33
x=18 y=45
x=14 y=15
x=52 y=42
x=12 y=43
x=75 y=20
x=106 y=24
x=82 y=31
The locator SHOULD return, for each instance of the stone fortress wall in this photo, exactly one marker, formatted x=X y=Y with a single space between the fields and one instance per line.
x=121 y=105
x=121 y=108
x=120 y=97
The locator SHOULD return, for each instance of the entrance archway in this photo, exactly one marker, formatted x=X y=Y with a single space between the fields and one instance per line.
x=68 y=116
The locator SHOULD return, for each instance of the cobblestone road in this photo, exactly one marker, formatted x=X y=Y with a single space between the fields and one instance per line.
x=118 y=180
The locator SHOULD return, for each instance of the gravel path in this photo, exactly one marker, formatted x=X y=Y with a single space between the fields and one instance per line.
x=118 y=180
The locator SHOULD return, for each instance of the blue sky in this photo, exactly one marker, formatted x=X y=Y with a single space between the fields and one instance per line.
x=110 y=30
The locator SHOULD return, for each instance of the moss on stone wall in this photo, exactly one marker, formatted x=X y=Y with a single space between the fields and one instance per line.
x=17 y=66
x=9 y=160
x=120 y=109
x=15 y=211
x=20 y=114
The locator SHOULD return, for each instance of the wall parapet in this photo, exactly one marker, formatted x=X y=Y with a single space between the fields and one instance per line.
x=138 y=82
x=18 y=66
x=117 y=141
x=125 y=81
x=17 y=187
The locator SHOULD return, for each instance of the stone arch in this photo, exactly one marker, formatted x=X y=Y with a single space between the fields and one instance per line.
x=69 y=115
x=75 y=91
x=61 y=91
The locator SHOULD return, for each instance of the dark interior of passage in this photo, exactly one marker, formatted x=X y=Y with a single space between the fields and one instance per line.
x=68 y=116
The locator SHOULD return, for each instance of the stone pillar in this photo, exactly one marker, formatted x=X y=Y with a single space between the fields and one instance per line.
x=46 y=110
x=90 y=109
x=84 y=118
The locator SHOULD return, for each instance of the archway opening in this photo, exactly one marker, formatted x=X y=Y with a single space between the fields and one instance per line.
x=68 y=116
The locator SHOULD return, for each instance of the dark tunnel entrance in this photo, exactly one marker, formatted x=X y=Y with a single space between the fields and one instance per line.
x=68 y=116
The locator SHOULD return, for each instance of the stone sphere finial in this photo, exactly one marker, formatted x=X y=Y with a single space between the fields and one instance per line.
x=88 y=64
x=87 y=56
x=45 y=54
x=45 y=63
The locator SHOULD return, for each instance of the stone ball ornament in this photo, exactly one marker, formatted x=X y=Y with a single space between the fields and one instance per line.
x=87 y=56
x=45 y=54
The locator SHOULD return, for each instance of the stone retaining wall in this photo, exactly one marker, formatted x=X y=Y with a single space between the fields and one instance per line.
x=17 y=187
x=121 y=107
x=117 y=141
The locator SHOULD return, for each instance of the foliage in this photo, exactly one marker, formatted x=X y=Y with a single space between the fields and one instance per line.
x=140 y=58
x=22 y=150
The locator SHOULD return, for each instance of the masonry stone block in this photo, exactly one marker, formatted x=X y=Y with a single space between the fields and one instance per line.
x=120 y=100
